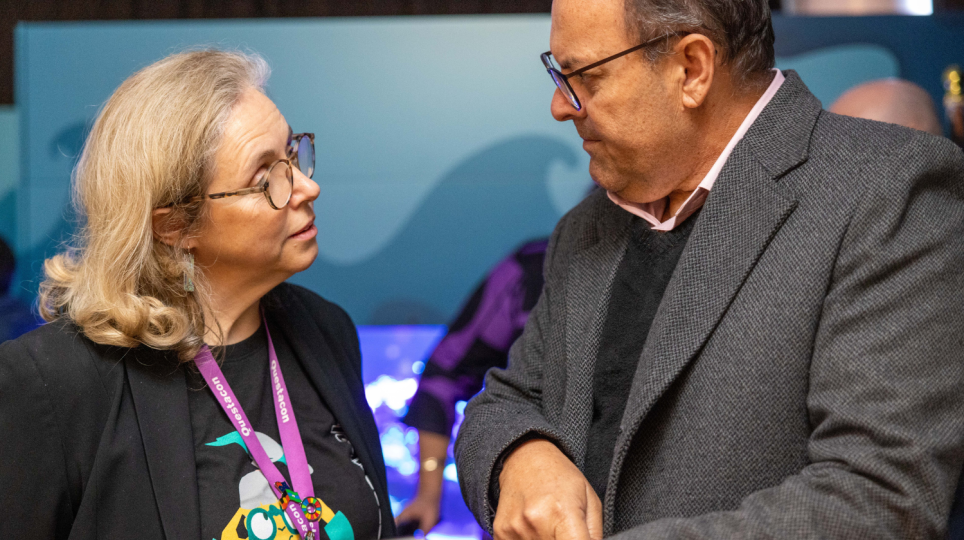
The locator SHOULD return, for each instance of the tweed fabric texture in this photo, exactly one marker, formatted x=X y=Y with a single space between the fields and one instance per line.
x=805 y=367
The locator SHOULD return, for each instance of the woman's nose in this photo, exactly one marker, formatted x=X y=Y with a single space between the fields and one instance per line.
x=304 y=189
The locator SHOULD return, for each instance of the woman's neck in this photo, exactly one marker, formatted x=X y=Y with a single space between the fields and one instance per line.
x=234 y=303
x=232 y=322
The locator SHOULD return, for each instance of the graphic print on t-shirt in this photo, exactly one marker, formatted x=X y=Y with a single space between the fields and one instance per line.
x=259 y=515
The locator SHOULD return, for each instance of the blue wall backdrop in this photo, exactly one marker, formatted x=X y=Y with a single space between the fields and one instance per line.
x=435 y=147
x=9 y=172
x=437 y=153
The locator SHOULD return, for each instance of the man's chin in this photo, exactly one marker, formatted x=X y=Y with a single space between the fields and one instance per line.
x=603 y=177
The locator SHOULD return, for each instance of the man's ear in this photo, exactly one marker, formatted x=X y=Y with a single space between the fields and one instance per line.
x=697 y=55
x=165 y=226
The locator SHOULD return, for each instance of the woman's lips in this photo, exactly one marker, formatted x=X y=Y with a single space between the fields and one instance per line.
x=308 y=232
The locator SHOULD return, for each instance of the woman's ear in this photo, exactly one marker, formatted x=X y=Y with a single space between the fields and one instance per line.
x=166 y=226
x=698 y=57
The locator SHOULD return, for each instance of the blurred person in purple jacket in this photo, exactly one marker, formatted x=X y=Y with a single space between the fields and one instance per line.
x=478 y=339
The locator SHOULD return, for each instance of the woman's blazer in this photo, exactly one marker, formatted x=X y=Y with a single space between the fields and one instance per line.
x=96 y=441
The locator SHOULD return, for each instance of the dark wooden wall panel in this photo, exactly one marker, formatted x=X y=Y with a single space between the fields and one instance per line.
x=12 y=11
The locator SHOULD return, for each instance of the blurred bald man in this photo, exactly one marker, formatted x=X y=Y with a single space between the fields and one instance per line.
x=894 y=101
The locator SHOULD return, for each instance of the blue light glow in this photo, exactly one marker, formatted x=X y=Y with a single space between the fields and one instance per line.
x=390 y=356
x=388 y=391
x=450 y=474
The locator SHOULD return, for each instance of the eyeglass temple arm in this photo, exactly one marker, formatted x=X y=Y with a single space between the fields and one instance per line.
x=223 y=194
x=617 y=55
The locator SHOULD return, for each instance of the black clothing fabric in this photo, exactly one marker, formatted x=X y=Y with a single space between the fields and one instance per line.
x=235 y=498
x=98 y=442
x=638 y=288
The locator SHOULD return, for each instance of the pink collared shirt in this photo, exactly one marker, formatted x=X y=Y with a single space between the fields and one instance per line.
x=653 y=212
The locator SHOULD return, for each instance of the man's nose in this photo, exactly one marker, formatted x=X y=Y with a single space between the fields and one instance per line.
x=561 y=109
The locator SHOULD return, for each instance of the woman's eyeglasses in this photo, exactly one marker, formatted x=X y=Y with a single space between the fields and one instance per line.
x=278 y=181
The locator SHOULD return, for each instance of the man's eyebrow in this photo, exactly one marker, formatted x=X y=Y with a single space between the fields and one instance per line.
x=567 y=63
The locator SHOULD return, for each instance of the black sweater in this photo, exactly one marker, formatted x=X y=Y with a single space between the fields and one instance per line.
x=638 y=288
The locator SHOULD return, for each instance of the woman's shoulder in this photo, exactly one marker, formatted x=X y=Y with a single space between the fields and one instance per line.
x=58 y=355
x=311 y=317
x=325 y=313
x=48 y=341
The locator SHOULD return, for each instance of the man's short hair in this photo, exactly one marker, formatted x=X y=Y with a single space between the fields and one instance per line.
x=741 y=28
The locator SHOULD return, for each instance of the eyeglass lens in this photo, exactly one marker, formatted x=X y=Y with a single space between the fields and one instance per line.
x=566 y=90
x=280 y=181
x=304 y=156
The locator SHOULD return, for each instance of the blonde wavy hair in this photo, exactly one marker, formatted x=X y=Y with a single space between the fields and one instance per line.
x=152 y=146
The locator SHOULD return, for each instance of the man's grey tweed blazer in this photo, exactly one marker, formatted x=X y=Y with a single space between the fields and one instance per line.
x=804 y=375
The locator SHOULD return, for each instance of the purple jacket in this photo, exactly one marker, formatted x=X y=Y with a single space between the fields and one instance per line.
x=479 y=339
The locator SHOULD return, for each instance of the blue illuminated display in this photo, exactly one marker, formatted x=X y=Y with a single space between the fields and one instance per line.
x=393 y=357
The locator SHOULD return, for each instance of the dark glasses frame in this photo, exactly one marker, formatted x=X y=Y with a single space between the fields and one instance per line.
x=562 y=79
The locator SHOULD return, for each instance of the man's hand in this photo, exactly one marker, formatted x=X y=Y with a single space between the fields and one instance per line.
x=543 y=496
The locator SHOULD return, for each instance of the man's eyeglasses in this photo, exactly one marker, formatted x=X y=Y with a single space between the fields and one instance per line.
x=278 y=181
x=562 y=80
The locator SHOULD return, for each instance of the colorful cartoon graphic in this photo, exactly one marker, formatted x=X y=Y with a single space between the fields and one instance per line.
x=260 y=516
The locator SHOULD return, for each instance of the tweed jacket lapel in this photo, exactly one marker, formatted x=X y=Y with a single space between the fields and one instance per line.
x=742 y=214
x=159 y=392
x=590 y=276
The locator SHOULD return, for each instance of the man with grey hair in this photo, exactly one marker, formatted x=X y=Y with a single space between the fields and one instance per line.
x=755 y=330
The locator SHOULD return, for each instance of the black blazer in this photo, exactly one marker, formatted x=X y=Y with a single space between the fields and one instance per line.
x=96 y=441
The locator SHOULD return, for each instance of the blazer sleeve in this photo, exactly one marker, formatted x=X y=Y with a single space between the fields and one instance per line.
x=886 y=397
x=34 y=491
x=512 y=400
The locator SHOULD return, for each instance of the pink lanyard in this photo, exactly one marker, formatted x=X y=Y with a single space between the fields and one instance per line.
x=305 y=512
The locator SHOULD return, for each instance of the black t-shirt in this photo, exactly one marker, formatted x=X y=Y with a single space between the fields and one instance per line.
x=236 y=501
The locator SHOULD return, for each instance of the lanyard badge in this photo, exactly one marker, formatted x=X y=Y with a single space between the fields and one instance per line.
x=299 y=503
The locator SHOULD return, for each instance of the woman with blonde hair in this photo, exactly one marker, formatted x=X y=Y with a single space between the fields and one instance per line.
x=181 y=389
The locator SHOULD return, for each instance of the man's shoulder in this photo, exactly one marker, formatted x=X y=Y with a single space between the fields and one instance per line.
x=848 y=158
x=844 y=142
x=593 y=214
x=596 y=218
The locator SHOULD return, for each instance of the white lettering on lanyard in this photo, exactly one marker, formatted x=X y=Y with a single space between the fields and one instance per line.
x=280 y=391
x=231 y=406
